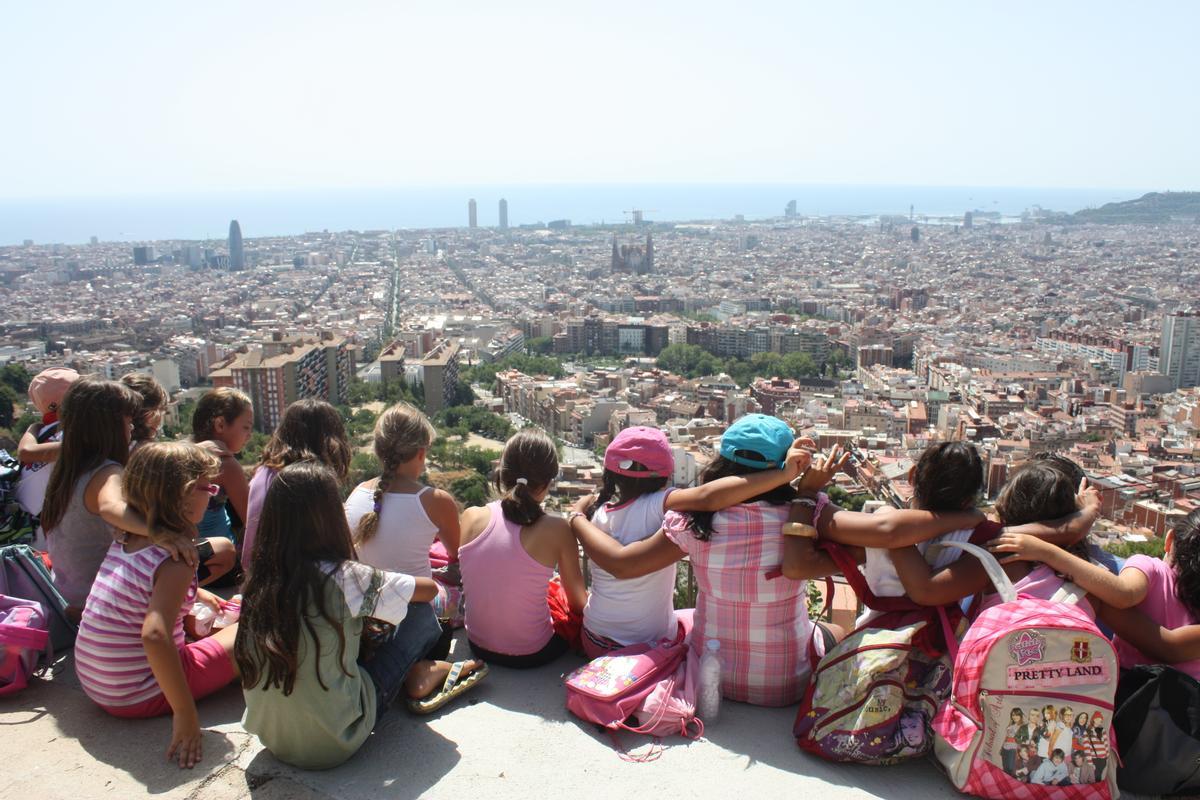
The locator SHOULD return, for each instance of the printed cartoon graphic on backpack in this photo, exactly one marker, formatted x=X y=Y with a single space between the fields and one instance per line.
x=873 y=698
x=1030 y=712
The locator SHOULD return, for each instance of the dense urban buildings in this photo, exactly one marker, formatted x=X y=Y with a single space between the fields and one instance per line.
x=1021 y=335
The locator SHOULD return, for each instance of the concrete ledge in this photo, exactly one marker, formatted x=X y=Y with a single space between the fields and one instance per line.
x=510 y=738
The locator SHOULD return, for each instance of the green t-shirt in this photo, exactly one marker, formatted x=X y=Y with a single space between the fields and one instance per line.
x=315 y=727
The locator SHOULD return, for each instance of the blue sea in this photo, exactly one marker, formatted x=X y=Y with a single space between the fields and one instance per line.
x=206 y=215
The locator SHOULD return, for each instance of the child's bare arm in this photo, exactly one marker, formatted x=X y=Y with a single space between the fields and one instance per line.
x=729 y=491
x=962 y=578
x=898 y=528
x=625 y=561
x=30 y=452
x=803 y=561
x=104 y=496
x=443 y=512
x=1122 y=591
x=170 y=587
x=1163 y=645
x=233 y=481
x=571 y=574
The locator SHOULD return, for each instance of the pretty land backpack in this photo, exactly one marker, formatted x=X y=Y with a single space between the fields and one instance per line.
x=1023 y=661
x=651 y=686
x=24 y=642
x=873 y=696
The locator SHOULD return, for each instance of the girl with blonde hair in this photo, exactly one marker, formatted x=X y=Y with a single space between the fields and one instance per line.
x=134 y=616
x=395 y=518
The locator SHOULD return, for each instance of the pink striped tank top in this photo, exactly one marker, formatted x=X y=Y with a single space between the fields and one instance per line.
x=109 y=658
x=505 y=590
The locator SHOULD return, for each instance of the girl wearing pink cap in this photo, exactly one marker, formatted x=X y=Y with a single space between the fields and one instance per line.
x=632 y=503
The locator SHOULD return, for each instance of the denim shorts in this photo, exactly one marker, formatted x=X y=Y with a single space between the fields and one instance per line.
x=395 y=655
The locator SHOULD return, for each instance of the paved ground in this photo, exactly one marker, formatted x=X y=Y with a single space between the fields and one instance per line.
x=510 y=738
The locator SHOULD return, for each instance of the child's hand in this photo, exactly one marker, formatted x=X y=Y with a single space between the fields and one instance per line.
x=584 y=503
x=1021 y=547
x=823 y=469
x=185 y=740
x=798 y=458
x=1088 y=498
x=181 y=547
x=209 y=599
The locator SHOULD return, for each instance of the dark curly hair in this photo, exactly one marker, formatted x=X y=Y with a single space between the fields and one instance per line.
x=948 y=477
x=702 y=521
x=1185 y=558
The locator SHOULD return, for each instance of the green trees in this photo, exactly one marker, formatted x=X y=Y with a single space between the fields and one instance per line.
x=692 y=361
x=529 y=364
x=468 y=419
x=1153 y=546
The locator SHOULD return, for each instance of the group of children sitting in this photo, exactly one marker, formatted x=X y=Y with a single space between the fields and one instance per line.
x=341 y=614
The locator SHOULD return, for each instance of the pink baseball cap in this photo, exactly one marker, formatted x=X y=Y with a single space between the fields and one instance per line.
x=48 y=387
x=640 y=445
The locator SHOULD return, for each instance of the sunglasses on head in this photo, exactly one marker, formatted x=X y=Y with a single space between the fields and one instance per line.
x=208 y=488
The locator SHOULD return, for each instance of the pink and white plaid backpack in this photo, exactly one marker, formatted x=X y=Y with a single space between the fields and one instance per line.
x=1023 y=666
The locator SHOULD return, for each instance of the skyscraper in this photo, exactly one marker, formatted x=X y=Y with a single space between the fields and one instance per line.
x=237 y=255
x=503 y=214
x=472 y=217
x=1179 y=349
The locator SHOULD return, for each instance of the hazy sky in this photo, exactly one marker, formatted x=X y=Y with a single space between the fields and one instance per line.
x=104 y=98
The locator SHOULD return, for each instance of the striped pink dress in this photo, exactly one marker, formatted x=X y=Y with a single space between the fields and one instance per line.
x=109 y=658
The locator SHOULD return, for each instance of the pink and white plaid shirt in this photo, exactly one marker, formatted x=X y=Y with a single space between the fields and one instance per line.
x=763 y=625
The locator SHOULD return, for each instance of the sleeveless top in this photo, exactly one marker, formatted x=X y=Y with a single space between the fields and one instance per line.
x=110 y=659
x=78 y=544
x=505 y=590
x=401 y=542
x=631 y=610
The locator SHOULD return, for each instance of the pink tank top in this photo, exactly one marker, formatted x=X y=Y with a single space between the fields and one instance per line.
x=505 y=590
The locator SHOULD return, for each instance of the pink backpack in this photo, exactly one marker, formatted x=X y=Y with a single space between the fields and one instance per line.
x=654 y=684
x=995 y=736
x=24 y=637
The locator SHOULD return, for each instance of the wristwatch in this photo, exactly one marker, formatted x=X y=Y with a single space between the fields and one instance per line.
x=799 y=529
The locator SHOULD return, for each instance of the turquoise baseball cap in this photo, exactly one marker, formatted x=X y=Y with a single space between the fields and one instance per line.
x=757 y=434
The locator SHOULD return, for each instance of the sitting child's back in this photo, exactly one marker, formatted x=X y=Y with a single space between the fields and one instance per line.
x=632 y=609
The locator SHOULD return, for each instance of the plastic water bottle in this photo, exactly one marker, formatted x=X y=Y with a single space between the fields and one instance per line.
x=708 y=689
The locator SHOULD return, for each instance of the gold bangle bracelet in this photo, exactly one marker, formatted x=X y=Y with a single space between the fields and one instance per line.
x=799 y=529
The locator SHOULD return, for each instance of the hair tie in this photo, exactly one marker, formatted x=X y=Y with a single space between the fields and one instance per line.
x=378 y=507
x=522 y=481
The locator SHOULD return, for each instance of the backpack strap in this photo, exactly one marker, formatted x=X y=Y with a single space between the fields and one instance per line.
x=858 y=583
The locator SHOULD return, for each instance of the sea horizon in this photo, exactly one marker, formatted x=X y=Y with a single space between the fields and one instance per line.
x=205 y=216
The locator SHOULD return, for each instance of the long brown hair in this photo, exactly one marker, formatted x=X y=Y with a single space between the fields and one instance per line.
x=529 y=462
x=721 y=467
x=223 y=403
x=310 y=429
x=302 y=525
x=157 y=480
x=93 y=413
x=400 y=432
x=154 y=398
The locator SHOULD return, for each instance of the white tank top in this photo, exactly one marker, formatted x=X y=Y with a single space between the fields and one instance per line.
x=401 y=542
x=634 y=609
x=881 y=574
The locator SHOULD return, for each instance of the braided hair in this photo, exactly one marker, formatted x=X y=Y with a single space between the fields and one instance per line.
x=400 y=433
